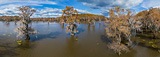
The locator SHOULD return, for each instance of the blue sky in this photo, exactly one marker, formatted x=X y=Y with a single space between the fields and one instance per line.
x=53 y=8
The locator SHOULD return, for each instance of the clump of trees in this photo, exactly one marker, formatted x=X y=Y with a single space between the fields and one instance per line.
x=24 y=29
x=150 y=20
x=123 y=25
x=149 y=35
x=69 y=16
x=120 y=29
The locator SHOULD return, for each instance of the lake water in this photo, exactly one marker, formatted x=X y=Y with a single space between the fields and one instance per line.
x=53 y=41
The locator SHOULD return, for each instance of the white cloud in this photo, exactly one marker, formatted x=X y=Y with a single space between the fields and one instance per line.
x=150 y=3
x=29 y=2
x=82 y=11
x=111 y=3
x=12 y=10
x=9 y=7
x=128 y=3
x=48 y=12
x=9 y=10
x=104 y=5
x=53 y=12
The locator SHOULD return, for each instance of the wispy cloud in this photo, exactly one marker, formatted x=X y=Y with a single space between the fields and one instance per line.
x=9 y=10
x=10 y=7
x=48 y=12
x=104 y=5
x=27 y=2
x=12 y=10
x=52 y=8
x=111 y=3
x=82 y=11
x=150 y=3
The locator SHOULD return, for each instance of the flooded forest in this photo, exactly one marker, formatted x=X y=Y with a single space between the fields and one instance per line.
x=123 y=33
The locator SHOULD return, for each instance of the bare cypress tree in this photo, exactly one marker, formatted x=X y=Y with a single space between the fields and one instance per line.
x=24 y=30
x=68 y=13
x=150 y=21
x=120 y=28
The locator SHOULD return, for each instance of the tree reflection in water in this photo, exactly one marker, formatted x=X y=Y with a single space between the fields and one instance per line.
x=91 y=27
x=6 y=50
x=62 y=25
x=26 y=44
x=7 y=23
x=15 y=23
x=72 y=45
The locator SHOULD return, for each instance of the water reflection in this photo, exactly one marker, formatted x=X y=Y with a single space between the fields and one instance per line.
x=80 y=30
x=48 y=23
x=15 y=23
x=7 y=24
x=26 y=44
x=62 y=25
x=72 y=45
x=6 y=50
x=51 y=35
x=91 y=27
x=100 y=25
x=61 y=45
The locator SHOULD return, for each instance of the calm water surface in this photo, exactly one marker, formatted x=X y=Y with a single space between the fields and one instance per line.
x=53 y=41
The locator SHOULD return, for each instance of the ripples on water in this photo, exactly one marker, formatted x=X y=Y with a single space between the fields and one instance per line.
x=53 y=41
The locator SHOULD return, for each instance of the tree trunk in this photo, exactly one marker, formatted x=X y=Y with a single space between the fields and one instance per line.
x=27 y=37
x=27 y=34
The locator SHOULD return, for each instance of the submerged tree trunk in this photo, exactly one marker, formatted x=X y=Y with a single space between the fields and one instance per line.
x=27 y=37
x=27 y=30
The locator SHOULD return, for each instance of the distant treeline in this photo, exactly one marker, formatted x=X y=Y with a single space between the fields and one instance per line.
x=9 y=18
x=81 y=17
x=85 y=17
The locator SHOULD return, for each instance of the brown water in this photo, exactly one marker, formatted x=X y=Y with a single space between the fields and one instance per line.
x=53 y=41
